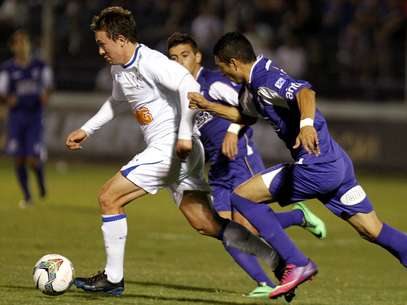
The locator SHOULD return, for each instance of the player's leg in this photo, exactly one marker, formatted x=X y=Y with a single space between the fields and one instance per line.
x=351 y=203
x=264 y=187
x=195 y=206
x=248 y=262
x=36 y=154
x=114 y=195
x=382 y=234
x=15 y=147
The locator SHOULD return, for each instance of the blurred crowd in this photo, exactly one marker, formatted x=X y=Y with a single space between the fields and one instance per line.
x=349 y=49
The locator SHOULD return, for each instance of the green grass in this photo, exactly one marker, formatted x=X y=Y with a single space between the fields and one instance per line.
x=168 y=263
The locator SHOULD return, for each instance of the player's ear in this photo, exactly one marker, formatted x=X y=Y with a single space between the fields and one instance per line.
x=121 y=40
x=234 y=63
x=198 y=57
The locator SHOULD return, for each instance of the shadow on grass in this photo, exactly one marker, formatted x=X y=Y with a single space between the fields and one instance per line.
x=179 y=287
x=18 y=287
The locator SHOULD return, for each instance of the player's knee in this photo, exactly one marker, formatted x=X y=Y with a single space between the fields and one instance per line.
x=106 y=201
x=206 y=228
x=369 y=233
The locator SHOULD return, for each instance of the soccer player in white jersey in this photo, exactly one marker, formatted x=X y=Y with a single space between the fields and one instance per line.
x=155 y=89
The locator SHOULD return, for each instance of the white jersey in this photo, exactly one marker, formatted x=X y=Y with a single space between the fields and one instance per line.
x=150 y=83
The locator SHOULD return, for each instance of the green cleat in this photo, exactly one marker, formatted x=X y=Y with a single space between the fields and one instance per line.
x=312 y=222
x=261 y=291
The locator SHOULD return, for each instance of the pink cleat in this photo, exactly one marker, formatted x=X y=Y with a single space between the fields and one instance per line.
x=294 y=276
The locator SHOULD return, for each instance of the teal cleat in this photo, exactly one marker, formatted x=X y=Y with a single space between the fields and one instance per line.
x=312 y=222
x=261 y=291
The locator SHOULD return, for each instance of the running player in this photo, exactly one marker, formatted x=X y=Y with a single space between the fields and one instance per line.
x=25 y=84
x=233 y=156
x=155 y=89
x=321 y=170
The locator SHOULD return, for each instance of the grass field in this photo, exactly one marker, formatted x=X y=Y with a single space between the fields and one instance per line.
x=168 y=263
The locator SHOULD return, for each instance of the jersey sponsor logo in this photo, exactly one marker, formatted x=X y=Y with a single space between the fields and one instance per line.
x=280 y=82
x=291 y=89
x=353 y=196
x=143 y=115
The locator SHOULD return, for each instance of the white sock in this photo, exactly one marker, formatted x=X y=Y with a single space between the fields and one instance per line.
x=114 y=230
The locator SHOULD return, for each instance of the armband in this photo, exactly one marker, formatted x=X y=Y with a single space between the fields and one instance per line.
x=234 y=128
x=306 y=122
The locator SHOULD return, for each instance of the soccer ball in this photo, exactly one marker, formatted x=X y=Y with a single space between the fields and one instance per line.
x=53 y=274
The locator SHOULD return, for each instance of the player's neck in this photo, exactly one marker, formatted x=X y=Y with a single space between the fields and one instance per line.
x=129 y=52
x=247 y=69
x=22 y=60
x=196 y=70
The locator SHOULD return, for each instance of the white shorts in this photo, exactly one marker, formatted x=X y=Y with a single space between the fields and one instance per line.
x=159 y=167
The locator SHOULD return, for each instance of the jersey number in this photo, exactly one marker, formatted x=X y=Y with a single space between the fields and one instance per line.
x=143 y=116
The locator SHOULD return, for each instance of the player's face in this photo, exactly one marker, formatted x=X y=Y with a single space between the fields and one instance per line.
x=229 y=70
x=111 y=50
x=20 y=45
x=185 y=55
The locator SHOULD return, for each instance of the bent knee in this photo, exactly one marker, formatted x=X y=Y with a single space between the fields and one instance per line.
x=106 y=201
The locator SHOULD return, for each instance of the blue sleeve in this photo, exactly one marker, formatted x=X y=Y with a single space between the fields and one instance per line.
x=286 y=86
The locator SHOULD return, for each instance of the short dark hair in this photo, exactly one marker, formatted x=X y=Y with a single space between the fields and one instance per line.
x=116 y=21
x=178 y=38
x=234 y=45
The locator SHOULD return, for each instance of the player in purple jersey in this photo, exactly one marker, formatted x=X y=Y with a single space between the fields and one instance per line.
x=321 y=170
x=233 y=156
x=25 y=84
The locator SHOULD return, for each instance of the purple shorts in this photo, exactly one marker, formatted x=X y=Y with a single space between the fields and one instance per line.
x=333 y=183
x=24 y=138
x=225 y=177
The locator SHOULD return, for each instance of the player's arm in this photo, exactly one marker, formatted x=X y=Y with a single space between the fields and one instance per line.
x=47 y=80
x=9 y=99
x=106 y=113
x=231 y=113
x=175 y=77
x=308 y=136
x=230 y=141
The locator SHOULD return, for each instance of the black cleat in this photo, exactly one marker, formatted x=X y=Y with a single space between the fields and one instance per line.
x=99 y=283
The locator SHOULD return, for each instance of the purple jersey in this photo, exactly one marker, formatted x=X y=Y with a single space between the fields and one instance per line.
x=27 y=84
x=274 y=97
x=24 y=124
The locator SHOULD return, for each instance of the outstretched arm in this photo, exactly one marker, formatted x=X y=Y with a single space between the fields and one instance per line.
x=107 y=112
x=231 y=113
x=308 y=136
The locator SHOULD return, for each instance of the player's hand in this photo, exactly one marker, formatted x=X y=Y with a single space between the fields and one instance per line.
x=183 y=148
x=75 y=138
x=308 y=138
x=229 y=145
x=197 y=101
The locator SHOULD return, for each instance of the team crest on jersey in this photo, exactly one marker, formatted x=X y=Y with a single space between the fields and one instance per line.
x=143 y=115
x=202 y=118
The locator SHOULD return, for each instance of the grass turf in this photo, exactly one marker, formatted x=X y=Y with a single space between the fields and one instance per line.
x=167 y=262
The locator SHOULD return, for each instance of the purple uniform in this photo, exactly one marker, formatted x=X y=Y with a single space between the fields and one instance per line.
x=329 y=176
x=224 y=174
x=24 y=124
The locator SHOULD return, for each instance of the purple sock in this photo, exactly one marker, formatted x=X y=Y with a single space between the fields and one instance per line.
x=393 y=241
x=291 y=218
x=262 y=217
x=39 y=173
x=250 y=264
x=22 y=178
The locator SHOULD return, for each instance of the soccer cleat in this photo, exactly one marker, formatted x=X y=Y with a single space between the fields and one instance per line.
x=312 y=222
x=261 y=291
x=99 y=283
x=293 y=276
x=25 y=204
x=279 y=272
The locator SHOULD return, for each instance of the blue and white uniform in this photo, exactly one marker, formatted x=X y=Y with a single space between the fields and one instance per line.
x=224 y=174
x=330 y=176
x=25 y=118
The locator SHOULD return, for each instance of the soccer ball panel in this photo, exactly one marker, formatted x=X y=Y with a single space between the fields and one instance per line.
x=53 y=274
